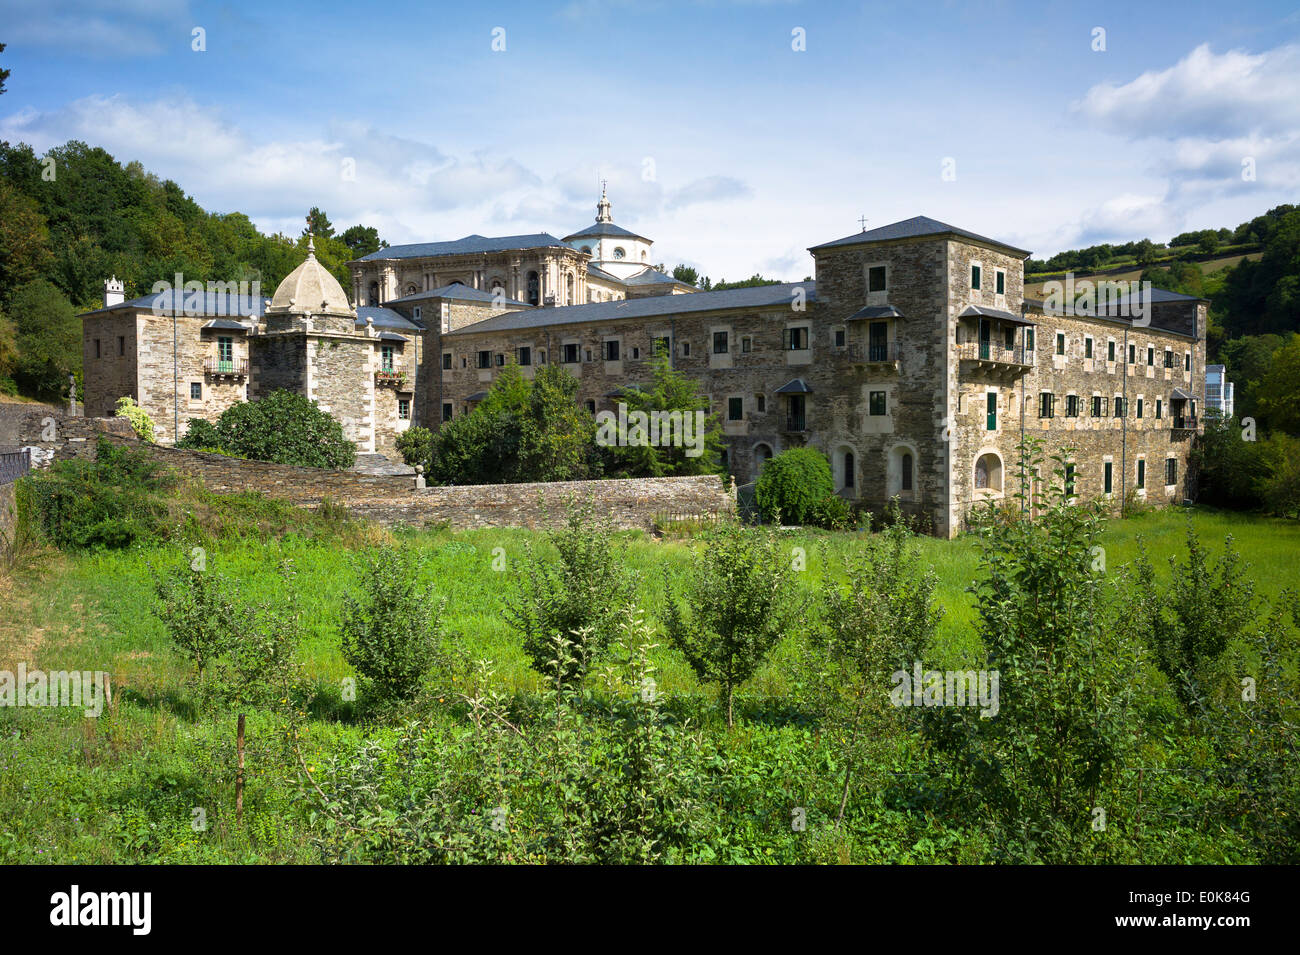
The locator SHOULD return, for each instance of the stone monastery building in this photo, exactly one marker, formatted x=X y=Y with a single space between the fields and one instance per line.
x=913 y=360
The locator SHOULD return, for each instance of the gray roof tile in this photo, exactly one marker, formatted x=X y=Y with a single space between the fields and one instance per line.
x=467 y=245
x=913 y=228
x=760 y=296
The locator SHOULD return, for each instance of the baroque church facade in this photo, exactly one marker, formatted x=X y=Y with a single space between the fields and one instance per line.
x=913 y=360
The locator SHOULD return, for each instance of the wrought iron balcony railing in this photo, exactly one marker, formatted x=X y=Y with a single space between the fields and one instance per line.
x=234 y=367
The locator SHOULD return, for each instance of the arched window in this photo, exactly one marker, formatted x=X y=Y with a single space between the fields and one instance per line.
x=372 y=296
x=410 y=288
x=988 y=472
x=848 y=469
x=568 y=288
x=906 y=474
x=533 y=293
x=762 y=454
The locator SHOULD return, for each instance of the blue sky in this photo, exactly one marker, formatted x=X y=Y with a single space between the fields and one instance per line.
x=729 y=148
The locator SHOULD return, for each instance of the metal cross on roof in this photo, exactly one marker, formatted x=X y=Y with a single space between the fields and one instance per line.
x=862 y=220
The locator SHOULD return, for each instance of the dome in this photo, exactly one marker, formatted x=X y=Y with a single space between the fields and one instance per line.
x=310 y=289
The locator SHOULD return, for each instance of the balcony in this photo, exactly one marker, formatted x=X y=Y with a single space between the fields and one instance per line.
x=1184 y=422
x=995 y=357
x=388 y=378
x=228 y=368
x=883 y=354
x=796 y=424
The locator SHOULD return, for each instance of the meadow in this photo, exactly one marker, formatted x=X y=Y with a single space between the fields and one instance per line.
x=134 y=784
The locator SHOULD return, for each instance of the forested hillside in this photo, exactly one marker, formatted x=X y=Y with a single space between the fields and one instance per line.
x=73 y=217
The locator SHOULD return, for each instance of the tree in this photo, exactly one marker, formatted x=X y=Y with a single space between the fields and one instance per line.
x=4 y=74
x=793 y=484
x=48 y=338
x=581 y=597
x=392 y=626
x=362 y=240
x=1037 y=771
x=1279 y=391
x=684 y=273
x=671 y=397
x=739 y=600
x=24 y=240
x=283 y=427
x=522 y=431
x=318 y=224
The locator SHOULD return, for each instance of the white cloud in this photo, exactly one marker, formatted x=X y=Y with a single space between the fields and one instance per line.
x=1207 y=94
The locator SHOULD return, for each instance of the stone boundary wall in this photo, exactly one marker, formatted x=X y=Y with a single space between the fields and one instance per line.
x=387 y=499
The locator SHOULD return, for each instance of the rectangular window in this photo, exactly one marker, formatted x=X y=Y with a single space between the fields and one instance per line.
x=96 y=347
x=226 y=353
x=975 y=277
x=484 y=359
x=571 y=356
x=735 y=409
x=686 y=349
x=796 y=339
x=501 y=360
x=720 y=343
x=609 y=350
x=991 y=411
x=1072 y=406
x=1069 y=480
x=1160 y=408
x=636 y=352
x=1169 y=358
x=1087 y=348
x=746 y=344
x=404 y=408
x=1107 y=476
x=446 y=411
x=1060 y=343
x=876 y=403
x=876 y=278
x=386 y=357
x=1151 y=356
x=1029 y=339
x=662 y=346
x=1139 y=408
x=446 y=361
x=1132 y=354
x=524 y=355
x=1096 y=406
x=1142 y=473
x=1171 y=471
x=1001 y=283
x=1119 y=406
x=196 y=391
x=1046 y=405
x=761 y=402
x=1110 y=351
x=1187 y=361
x=121 y=344
x=839 y=338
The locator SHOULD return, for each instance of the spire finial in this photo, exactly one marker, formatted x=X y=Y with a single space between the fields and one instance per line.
x=602 y=207
x=311 y=244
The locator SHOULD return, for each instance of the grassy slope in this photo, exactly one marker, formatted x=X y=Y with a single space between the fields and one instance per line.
x=75 y=789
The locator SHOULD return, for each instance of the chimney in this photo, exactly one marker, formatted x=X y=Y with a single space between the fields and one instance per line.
x=114 y=292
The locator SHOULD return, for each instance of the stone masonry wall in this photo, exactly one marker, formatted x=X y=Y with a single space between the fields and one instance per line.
x=391 y=500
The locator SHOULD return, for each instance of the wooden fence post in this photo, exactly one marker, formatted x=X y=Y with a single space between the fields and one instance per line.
x=239 y=773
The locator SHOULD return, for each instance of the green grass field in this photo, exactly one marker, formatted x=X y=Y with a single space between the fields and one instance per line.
x=124 y=787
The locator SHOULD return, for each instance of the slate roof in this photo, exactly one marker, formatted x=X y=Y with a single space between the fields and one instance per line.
x=914 y=228
x=598 y=229
x=983 y=311
x=876 y=311
x=759 y=296
x=795 y=386
x=467 y=245
x=215 y=304
x=651 y=276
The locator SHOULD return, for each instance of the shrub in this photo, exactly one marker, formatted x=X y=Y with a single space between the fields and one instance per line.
x=390 y=633
x=580 y=596
x=282 y=427
x=738 y=601
x=141 y=423
x=201 y=435
x=109 y=502
x=833 y=513
x=414 y=445
x=792 y=485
